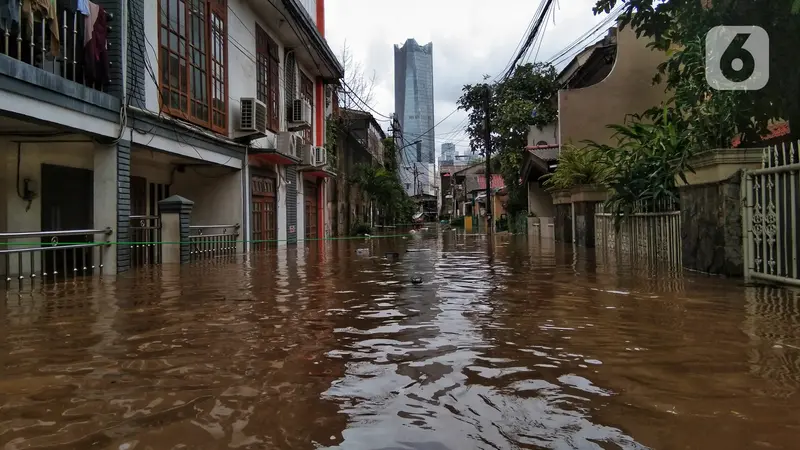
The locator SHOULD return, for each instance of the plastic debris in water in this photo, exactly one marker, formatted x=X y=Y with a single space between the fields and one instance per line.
x=416 y=280
x=362 y=251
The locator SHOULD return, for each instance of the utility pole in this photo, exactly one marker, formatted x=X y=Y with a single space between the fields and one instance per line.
x=487 y=101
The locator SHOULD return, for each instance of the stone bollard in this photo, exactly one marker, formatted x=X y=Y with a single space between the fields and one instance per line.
x=175 y=214
x=584 y=202
x=562 y=224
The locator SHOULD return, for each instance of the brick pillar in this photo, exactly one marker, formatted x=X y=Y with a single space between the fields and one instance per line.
x=584 y=201
x=562 y=224
x=175 y=212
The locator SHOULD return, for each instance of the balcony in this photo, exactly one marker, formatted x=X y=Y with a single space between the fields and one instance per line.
x=48 y=52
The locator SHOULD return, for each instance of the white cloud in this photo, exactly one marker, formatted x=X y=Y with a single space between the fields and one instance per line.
x=470 y=38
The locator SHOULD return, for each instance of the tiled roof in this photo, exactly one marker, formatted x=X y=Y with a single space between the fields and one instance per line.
x=775 y=131
x=497 y=182
x=546 y=153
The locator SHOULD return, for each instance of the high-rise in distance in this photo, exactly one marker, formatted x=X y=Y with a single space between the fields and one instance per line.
x=413 y=103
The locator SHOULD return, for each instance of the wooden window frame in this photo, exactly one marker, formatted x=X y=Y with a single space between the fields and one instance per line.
x=307 y=93
x=215 y=72
x=268 y=63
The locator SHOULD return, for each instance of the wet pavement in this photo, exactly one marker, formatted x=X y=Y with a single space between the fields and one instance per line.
x=515 y=345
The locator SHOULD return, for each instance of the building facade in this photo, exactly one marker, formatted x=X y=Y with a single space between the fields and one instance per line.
x=448 y=154
x=227 y=114
x=413 y=96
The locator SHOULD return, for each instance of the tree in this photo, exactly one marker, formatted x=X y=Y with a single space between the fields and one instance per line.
x=679 y=28
x=383 y=188
x=358 y=90
x=525 y=99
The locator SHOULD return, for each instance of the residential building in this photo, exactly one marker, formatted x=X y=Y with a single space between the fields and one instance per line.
x=413 y=97
x=93 y=137
x=601 y=85
x=359 y=141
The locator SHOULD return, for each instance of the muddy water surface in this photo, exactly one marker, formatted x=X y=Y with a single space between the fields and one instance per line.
x=514 y=345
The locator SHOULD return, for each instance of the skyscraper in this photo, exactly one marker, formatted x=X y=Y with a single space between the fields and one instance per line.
x=413 y=103
x=448 y=152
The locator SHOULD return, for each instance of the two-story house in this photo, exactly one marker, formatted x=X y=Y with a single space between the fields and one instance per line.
x=109 y=106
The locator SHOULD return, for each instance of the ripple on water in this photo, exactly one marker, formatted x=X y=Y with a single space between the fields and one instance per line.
x=319 y=347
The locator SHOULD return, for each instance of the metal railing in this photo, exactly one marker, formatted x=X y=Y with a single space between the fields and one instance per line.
x=51 y=44
x=653 y=237
x=50 y=260
x=211 y=241
x=145 y=232
x=770 y=214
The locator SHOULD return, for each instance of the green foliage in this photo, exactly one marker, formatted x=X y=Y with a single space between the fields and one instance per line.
x=680 y=26
x=578 y=166
x=652 y=150
x=360 y=229
x=531 y=87
x=384 y=189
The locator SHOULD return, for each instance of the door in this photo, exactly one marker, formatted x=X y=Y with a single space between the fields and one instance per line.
x=264 y=209
x=310 y=194
x=139 y=226
x=67 y=204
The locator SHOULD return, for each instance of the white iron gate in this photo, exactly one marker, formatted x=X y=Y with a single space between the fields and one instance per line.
x=770 y=216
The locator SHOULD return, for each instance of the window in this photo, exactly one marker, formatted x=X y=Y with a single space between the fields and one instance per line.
x=307 y=93
x=267 y=76
x=193 y=60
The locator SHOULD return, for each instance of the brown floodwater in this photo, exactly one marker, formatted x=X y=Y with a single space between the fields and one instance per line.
x=517 y=344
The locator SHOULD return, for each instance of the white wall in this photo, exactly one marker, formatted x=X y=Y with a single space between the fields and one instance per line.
x=548 y=133
x=19 y=217
x=217 y=192
x=310 y=7
x=301 y=208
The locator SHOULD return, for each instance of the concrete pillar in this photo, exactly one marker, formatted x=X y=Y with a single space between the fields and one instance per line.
x=112 y=200
x=175 y=214
x=562 y=226
x=584 y=203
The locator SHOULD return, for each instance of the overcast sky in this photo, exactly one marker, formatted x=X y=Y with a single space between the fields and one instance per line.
x=470 y=38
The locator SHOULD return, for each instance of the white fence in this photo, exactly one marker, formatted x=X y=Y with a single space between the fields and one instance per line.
x=770 y=215
x=648 y=237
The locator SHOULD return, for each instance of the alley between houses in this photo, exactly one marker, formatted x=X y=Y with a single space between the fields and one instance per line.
x=508 y=343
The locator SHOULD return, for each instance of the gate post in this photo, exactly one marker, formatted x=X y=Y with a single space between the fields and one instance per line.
x=175 y=214
x=746 y=196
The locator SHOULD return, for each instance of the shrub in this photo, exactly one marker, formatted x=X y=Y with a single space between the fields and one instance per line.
x=578 y=167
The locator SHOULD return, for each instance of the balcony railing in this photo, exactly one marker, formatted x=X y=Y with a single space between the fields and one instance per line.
x=59 y=255
x=54 y=44
x=211 y=241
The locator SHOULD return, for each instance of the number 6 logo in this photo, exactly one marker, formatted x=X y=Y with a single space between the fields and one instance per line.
x=737 y=58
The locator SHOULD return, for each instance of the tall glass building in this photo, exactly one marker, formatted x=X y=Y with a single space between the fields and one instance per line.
x=413 y=103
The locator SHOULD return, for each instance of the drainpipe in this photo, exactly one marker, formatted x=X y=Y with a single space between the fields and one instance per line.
x=320 y=128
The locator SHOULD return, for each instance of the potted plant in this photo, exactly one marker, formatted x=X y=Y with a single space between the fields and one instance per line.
x=578 y=171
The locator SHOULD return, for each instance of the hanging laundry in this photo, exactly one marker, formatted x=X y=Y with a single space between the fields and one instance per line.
x=47 y=11
x=9 y=13
x=95 y=50
x=83 y=7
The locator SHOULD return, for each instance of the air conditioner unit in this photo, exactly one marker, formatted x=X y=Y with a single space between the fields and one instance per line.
x=253 y=115
x=301 y=112
x=287 y=143
x=320 y=156
x=307 y=152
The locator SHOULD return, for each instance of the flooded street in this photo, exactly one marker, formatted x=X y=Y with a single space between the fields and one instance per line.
x=514 y=345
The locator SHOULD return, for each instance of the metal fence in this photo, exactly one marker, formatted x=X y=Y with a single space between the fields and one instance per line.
x=145 y=232
x=770 y=217
x=652 y=237
x=211 y=241
x=49 y=256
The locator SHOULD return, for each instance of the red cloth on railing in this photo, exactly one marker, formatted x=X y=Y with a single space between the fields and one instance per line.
x=95 y=50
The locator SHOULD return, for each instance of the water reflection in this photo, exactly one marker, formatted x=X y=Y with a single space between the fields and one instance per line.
x=508 y=343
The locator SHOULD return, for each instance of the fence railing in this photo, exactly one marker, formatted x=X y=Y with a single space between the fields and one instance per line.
x=145 y=232
x=643 y=236
x=770 y=217
x=211 y=241
x=54 y=44
x=60 y=255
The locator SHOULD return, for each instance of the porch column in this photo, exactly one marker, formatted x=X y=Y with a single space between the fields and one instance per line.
x=112 y=201
x=175 y=214
x=562 y=229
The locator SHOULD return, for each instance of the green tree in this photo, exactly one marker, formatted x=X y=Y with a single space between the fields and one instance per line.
x=526 y=98
x=679 y=27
